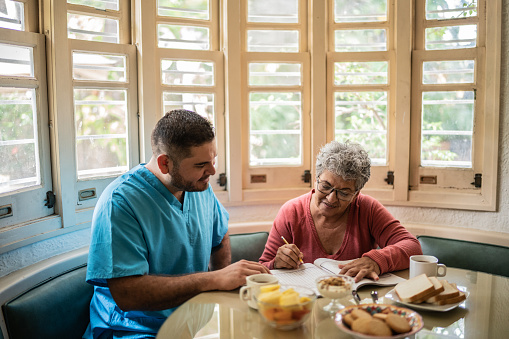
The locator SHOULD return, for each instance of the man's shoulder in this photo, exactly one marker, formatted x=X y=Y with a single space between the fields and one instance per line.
x=125 y=183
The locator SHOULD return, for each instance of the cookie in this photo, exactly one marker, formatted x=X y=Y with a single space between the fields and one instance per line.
x=381 y=316
x=379 y=328
x=397 y=323
x=348 y=320
x=361 y=325
x=359 y=313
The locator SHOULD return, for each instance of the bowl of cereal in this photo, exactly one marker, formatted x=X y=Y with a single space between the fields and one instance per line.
x=378 y=320
x=285 y=307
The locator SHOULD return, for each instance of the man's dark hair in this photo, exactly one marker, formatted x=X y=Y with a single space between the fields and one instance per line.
x=179 y=130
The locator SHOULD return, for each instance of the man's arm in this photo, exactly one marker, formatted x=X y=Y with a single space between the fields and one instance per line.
x=221 y=255
x=151 y=293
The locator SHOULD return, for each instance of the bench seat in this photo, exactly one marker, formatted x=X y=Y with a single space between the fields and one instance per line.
x=52 y=301
x=468 y=255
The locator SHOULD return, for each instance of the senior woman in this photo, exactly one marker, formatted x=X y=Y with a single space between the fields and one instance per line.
x=336 y=221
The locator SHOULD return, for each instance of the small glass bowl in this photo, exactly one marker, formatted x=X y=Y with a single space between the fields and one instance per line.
x=334 y=287
x=288 y=317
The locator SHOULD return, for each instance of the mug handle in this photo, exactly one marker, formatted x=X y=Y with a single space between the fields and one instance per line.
x=245 y=293
x=439 y=266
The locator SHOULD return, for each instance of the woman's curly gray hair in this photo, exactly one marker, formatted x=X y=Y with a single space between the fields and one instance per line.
x=347 y=160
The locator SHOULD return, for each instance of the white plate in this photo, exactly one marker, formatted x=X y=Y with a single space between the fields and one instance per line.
x=425 y=307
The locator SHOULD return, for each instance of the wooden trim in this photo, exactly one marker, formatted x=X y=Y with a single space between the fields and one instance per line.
x=459 y=233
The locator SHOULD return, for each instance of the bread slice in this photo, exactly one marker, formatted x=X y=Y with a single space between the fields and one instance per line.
x=449 y=292
x=460 y=297
x=414 y=289
x=439 y=288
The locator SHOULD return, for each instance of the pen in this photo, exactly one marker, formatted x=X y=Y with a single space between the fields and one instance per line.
x=300 y=259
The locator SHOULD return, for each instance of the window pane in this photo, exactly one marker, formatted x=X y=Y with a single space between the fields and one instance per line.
x=360 y=11
x=362 y=117
x=275 y=128
x=272 y=41
x=361 y=73
x=450 y=9
x=19 y=149
x=447 y=128
x=12 y=15
x=101 y=67
x=451 y=37
x=16 y=61
x=183 y=37
x=274 y=74
x=201 y=103
x=193 y=9
x=448 y=72
x=86 y=27
x=99 y=4
x=279 y=11
x=360 y=40
x=187 y=72
x=101 y=132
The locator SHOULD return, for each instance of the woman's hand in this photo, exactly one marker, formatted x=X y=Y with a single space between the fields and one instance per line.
x=288 y=256
x=361 y=268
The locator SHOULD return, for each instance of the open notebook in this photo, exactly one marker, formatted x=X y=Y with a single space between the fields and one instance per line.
x=307 y=273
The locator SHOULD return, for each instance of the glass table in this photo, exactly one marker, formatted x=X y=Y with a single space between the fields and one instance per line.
x=485 y=314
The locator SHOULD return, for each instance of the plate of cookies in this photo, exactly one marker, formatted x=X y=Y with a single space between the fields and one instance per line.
x=378 y=320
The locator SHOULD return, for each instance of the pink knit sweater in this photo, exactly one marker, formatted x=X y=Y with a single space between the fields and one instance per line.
x=369 y=225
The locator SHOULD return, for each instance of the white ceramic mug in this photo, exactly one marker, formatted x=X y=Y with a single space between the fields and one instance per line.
x=252 y=288
x=426 y=264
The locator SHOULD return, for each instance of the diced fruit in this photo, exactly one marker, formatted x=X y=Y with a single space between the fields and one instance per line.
x=270 y=297
x=281 y=314
x=304 y=299
x=269 y=288
x=269 y=313
x=297 y=315
x=289 y=299
x=289 y=291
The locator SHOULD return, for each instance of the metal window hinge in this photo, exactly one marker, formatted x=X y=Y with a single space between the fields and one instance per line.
x=50 y=199
x=390 y=178
x=222 y=180
x=477 y=180
x=306 y=177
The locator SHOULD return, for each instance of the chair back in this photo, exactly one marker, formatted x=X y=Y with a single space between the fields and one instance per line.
x=469 y=255
x=248 y=246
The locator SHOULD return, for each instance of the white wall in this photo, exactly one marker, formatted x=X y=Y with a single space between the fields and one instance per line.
x=260 y=217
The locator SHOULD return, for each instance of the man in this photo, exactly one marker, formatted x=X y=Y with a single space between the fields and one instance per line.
x=159 y=234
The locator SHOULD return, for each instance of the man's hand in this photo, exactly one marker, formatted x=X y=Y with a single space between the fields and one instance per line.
x=361 y=268
x=288 y=256
x=234 y=275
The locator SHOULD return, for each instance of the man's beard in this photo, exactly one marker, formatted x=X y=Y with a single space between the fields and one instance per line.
x=178 y=182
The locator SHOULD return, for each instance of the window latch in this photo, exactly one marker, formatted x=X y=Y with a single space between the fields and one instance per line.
x=222 y=180
x=50 y=199
x=477 y=180
x=306 y=177
x=390 y=178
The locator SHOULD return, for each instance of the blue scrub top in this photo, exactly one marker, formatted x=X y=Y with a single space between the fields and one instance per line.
x=138 y=228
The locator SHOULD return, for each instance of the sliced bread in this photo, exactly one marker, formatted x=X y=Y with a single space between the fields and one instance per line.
x=414 y=289
x=439 y=288
x=460 y=297
x=449 y=292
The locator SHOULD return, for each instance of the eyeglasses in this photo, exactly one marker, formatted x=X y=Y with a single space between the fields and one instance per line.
x=325 y=188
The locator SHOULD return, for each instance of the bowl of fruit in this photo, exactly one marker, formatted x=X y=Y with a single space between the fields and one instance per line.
x=285 y=307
